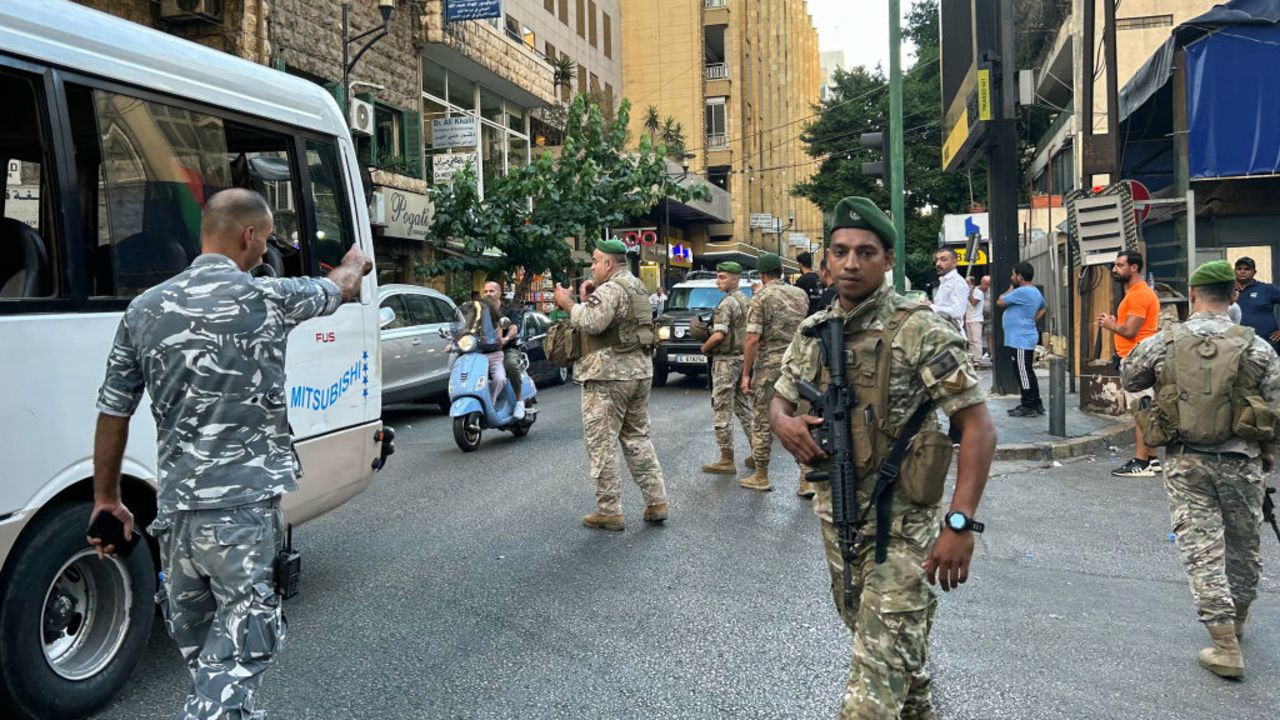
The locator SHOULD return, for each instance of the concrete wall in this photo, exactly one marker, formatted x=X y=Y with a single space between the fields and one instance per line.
x=563 y=35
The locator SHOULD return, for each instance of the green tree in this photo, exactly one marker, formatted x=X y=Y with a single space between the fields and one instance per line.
x=527 y=216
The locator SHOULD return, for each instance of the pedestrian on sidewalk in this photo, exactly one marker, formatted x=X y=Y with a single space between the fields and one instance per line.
x=951 y=298
x=1137 y=319
x=208 y=346
x=616 y=372
x=1257 y=301
x=889 y=606
x=724 y=347
x=1202 y=371
x=1023 y=306
x=773 y=316
x=973 y=319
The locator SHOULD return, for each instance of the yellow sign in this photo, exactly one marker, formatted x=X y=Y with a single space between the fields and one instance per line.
x=955 y=139
x=984 y=95
x=961 y=252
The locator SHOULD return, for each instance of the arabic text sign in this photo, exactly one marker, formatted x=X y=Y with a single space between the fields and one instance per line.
x=455 y=10
x=454 y=132
x=15 y=173
x=761 y=220
x=444 y=167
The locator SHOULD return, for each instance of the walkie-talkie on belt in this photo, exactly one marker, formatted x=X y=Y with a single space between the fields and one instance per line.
x=288 y=568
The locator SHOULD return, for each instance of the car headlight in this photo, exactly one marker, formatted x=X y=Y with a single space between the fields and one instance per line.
x=467 y=343
x=664 y=332
x=680 y=332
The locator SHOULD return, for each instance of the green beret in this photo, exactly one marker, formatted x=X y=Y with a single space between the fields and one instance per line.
x=1210 y=273
x=612 y=246
x=729 y=267
x=861 y=213
x=768 y=263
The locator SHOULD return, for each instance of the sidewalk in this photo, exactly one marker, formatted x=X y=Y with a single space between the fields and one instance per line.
x=1028 y=438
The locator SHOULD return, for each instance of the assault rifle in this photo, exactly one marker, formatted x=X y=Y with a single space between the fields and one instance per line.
x=1269 y=510
x=835 y=437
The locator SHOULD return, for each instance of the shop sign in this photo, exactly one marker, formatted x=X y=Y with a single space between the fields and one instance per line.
x=455 y=10
x=444 y=167
x=455 y=132
x=408 y=214
x=15 y=173
x=799 y=240
x=680 y=256
x=761 y=220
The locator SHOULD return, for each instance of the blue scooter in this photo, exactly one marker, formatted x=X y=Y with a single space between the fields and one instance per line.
x=470 y=403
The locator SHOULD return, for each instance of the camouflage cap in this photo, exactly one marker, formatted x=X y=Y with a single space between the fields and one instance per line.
x=861 y=213
x=729 y=267
x=612 y=246
x=768 y=263
x=1211 y=273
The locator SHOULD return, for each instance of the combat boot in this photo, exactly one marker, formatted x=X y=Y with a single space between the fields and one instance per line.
x=724 y=466
x=655 y=513
x=1242 y=615
x=759 y=480
x=805 y=489
x=1224 y=658
x=750 y=463
x=600 y=521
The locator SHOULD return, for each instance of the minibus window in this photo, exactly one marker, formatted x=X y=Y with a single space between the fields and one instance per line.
x=28 y=247
x=332 y=222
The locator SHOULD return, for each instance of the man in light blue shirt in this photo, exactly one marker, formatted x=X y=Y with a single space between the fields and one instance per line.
x=1023 y=306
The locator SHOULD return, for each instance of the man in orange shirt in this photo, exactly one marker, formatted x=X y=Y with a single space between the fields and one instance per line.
x=1139 y=318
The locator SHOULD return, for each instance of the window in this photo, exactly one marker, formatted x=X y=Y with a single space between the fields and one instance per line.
x=388 y=137
x=29 y=250
x=332 y=236
x=564 y=12
x=591 y=23
x=595 y=83
x=433 y=79
x=396 y=303
x=715 y=118
x=608 y=35
x=420 y=309
x=582 y=78
x=443 y=311
x=462 y=92
x=1144 y=22
x=550 y=51
x=608 y=94
x=582 y=19
x=567 y=88
x=550 y=6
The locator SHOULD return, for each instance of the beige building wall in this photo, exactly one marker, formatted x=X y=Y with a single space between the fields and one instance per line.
x=762 y=59
x=545 y=28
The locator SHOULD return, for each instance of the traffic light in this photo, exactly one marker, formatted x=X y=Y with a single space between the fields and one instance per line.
x=879 y=142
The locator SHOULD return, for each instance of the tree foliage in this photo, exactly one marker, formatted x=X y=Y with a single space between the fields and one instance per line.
x=527 y=216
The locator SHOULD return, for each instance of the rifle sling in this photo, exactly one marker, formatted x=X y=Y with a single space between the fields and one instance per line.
x=882 y=495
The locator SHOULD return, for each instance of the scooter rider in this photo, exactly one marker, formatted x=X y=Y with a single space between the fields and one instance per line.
x=482 y=320
x=509 y=330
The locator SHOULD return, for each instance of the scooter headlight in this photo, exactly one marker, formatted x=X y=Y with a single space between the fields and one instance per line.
x=467 y=343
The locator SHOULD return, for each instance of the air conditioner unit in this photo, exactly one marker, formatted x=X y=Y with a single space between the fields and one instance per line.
x=378 y=210
x=361 y=117
x=180 y=11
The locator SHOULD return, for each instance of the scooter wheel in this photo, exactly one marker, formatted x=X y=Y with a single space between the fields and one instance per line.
x=466 y=432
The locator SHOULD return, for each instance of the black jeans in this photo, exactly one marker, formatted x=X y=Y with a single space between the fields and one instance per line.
x=1024 y=361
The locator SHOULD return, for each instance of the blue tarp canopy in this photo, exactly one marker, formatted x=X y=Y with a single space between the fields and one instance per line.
x=1233 y=97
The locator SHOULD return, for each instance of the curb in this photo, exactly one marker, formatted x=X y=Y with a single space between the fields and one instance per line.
x=1095 y=443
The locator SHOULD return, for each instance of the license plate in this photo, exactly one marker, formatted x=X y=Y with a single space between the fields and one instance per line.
x=691 y=359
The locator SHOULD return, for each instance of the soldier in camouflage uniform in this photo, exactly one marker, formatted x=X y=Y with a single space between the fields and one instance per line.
x=891 y=607
x=616 y=373
x=1215 y=491
x=208 y=346
x=772 y=318
x=728 y=331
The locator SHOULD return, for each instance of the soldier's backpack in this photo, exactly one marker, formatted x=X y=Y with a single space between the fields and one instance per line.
x=563 y=344
x=1204 y=395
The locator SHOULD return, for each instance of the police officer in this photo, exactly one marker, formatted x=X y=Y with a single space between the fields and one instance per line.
x=1215 y=489
x=724 y=345
x=616 y=373
x=891 y=607
x=208 y=346
x=772 y=318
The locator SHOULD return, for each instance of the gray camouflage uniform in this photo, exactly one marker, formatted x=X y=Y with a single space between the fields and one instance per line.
x=615 y=400
x=727 y=398
x=1215 y=493
x=208 y=346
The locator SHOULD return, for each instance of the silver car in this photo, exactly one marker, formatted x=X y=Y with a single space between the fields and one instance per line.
x=415 y=363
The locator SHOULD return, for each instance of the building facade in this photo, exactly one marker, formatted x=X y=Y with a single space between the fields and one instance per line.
x=741 y=77
x=586 y=34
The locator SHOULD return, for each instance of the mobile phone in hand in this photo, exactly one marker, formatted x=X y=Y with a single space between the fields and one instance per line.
x=108 y=528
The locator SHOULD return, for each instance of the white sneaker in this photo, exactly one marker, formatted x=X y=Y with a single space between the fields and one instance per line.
x=519 y=411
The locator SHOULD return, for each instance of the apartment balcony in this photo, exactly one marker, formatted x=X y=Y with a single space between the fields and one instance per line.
x=1054 y=77
x=717 y=141
x=715 y=12
x=717 y=147
x=717 y=76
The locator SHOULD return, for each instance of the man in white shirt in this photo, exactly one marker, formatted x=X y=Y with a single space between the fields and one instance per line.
x=951 y=299
x=973 y=318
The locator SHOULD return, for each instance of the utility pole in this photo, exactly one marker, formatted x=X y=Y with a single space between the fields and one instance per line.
x=1002 y=189
x=896 y=200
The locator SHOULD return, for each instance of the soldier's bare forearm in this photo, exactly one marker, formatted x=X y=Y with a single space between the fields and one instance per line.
x=109 y=440
x=713 y=341
x=973 y=465
x=749 y=350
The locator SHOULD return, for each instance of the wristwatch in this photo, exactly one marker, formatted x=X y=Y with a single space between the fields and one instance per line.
x=959 y=522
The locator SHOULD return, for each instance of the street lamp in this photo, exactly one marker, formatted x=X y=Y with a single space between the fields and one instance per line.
x=386 y=8
x=666 y=201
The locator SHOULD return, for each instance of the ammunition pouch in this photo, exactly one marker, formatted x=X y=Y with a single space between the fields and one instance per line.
x=563 y=344
x=1254 y=420
x=923 y=476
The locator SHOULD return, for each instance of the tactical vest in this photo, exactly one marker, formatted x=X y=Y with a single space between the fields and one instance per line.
x=868 y=366
x=631 y=331
x=1203 y=397
x=735 y=336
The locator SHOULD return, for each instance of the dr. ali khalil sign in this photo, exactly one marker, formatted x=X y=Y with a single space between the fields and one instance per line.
x=455 y=10
x=444 y=167
x=454 y=132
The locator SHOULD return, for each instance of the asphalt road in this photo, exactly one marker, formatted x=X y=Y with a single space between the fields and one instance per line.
x=463 y=586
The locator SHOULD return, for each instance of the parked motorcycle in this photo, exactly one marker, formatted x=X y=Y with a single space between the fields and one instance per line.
x=470 y=396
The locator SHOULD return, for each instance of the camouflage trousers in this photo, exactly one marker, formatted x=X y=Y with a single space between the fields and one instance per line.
x=1215 y=505
x=727 y=400
x=618 y=411
x=762 y=381
x=890 y=615
x=219 y=602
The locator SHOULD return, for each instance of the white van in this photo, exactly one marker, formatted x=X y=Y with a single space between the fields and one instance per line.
x=113 y=136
